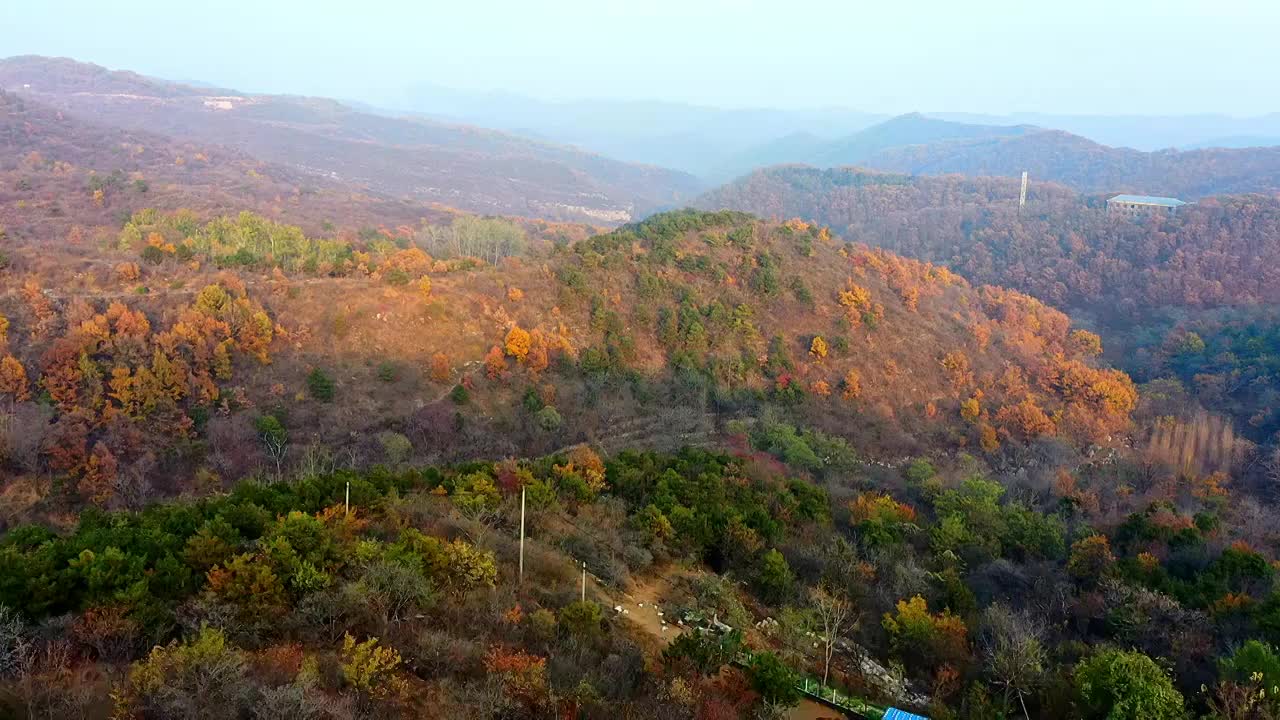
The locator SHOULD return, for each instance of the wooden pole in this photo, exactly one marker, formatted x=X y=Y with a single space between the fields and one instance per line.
x=522 y=491
x=584 y=581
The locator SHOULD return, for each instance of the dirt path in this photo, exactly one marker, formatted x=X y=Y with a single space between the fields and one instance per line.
x=643 y=605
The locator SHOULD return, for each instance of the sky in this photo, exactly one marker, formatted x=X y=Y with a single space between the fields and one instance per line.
x=889 y=56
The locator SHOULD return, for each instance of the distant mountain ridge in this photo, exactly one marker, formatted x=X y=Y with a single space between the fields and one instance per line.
x=1084 y=165
x=1236 y=141
x=859 y=147
x=907 y=130
x=1140 y=132
x=721 y=143
x=466 y=167
x=915 y=144
x=696 y=139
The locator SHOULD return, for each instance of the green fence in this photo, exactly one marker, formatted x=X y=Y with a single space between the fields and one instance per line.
x=827 y=695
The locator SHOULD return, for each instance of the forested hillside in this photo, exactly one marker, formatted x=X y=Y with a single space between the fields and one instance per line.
x=1152 y=286
x=195 y=330
x=460 y=166
x=247 y=371
x=62 y=176
x=289 y=436
x=921 y=495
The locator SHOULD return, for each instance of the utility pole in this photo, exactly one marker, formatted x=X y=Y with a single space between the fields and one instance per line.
x=1022 y=198
x=521 y=579
x=347 y=503
x=584 y=581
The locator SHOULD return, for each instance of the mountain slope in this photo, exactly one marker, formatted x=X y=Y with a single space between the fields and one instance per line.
x=1089 y=167
x=1063 y=247
x=1187 y=299
x=53 y=167
x=652 y=334
x=466 y=167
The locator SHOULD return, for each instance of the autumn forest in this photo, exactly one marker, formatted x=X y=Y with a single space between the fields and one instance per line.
x=418 y=441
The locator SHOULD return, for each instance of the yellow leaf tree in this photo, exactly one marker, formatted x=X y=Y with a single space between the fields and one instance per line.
x=13 y=379
x=518 y=343
x=818 y=348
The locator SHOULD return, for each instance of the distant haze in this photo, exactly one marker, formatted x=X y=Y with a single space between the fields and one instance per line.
x=981 y=56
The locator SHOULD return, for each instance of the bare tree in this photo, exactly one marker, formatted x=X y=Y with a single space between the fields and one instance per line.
x=1012 y=645
x=836 y=614
x=275 y=440
x=1271 y=471
x=16 y=648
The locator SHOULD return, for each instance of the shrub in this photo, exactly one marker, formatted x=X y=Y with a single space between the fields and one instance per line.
x=775 y=682
x=460 y=395
x=705 y=652
x=370 y=668
x=775 y=578
x=388 y=372
x=1090 y=558
x=924 y=638
x=549 y=419
x=205 y=679
x=395 y=447
x=581 y=618
x=1119 y=685
x=320 y=385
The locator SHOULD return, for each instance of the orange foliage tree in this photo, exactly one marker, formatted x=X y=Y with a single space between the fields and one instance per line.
x=957 y=366
x=495 y=363
x=518 y=343
x=97 y=483
x=441 y=370
x=587 y=463
x=852 y=385
x=1024 y=420
x=13 y=379
x=41 y=309
x=856 y=300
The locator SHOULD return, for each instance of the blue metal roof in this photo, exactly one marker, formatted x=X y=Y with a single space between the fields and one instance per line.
x=1148 y=200
x=896 y=714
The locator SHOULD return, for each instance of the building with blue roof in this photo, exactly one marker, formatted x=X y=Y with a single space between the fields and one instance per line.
x=896 y=714
x=1136 y=205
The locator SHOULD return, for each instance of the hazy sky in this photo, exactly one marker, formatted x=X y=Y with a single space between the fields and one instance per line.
x=1080 y=56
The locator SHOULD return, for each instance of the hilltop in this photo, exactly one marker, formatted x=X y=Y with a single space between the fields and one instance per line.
x=428 y=161
x=1063 y=247
x=908 y=130
x=1184 y=299
x=657 y=333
